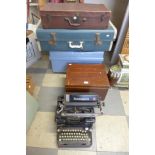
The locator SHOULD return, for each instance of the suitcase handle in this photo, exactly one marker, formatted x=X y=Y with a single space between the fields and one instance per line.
x=76 y=46
x=72 y=24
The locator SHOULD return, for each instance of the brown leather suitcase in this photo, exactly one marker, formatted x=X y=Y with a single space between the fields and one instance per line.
x=87 y=78
x=71 y=1
x=74 y=16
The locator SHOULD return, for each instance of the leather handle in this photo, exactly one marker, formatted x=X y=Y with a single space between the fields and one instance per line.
x=72 y=24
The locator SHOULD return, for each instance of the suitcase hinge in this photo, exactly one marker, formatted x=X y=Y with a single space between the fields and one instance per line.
x=98 y=39
x=53 y=40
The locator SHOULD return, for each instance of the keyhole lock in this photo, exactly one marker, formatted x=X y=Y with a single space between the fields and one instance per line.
x=75 y=18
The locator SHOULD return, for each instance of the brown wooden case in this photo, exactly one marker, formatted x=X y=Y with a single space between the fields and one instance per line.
x=74 y=16
x=87 y=78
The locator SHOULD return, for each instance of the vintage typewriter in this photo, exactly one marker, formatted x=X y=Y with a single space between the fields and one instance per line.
x=75 y=116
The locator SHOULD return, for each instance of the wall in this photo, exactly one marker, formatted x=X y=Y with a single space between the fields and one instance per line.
x=117 y=7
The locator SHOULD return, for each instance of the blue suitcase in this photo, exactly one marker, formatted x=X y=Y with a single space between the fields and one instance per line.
x=76 y=40
x=59 y=60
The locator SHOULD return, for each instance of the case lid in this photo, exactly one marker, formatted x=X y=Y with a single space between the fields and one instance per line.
x=69 y=55
x=71 y=7
x=86 y=75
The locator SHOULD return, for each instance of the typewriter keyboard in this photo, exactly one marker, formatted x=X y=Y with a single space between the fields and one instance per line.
x=74 y=137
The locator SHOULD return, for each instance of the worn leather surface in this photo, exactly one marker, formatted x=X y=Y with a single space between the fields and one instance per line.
x=74 y=7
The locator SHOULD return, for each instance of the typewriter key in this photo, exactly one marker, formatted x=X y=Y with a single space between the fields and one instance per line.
x=58 y=130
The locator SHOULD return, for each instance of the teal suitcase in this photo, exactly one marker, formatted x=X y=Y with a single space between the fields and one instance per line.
x=76 y=40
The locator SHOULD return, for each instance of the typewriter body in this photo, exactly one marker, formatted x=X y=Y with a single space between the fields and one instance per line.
x=75 y=116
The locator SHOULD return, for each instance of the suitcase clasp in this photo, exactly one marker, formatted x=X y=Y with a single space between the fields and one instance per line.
x=53 y=40
x=98 y=39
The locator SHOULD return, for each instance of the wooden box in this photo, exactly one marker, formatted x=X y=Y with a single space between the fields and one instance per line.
x=87 y=78
x=74 y=16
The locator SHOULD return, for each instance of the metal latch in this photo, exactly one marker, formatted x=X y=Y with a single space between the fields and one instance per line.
x=98 y=39
x=53 y=40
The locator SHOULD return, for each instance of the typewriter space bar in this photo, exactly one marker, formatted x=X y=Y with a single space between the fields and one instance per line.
x=79 y=114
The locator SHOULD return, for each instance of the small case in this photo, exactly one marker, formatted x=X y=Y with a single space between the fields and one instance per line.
x=87 y=78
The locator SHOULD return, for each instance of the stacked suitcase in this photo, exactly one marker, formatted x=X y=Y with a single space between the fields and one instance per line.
x=75 y=33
